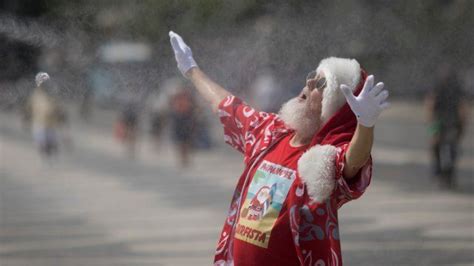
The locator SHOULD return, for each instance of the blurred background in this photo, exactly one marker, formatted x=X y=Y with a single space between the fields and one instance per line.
x=114 y=160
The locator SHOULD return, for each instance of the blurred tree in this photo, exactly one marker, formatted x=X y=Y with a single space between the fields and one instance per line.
x=400 y=40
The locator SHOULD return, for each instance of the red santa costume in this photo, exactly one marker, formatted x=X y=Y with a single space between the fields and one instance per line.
x=293 y=219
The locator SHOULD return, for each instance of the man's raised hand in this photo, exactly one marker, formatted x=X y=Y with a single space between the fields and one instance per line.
x=370 y=103
x=182 y=53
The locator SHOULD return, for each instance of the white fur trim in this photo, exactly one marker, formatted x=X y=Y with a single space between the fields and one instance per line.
x=337 y=71
x=317 y=170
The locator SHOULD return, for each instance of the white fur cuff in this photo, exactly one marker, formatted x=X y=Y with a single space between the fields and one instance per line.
x=316 y=168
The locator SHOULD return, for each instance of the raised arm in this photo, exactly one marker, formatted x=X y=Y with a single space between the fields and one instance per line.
x=212 y=92
x=371 y=101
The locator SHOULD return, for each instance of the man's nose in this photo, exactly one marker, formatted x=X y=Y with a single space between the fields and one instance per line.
x=311 y=84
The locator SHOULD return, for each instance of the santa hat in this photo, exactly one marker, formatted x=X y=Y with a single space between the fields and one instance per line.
x=316 y=167
x=337 y=71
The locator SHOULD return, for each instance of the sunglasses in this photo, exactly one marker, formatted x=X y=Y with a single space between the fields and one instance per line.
x=321 y=81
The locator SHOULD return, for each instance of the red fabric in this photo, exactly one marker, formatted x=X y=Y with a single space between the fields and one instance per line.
x=120 y=131
x=314 y=225
x=302 y=232
x=250 y=132
x=182 y=103
x=341 y=126
x=257 y=221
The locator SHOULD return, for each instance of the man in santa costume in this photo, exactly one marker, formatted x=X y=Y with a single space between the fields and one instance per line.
x=315 y=154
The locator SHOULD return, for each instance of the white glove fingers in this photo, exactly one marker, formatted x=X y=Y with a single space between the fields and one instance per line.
x=368 y=105
x=382 y=96
x=377 y=89
x=177 y=42
x=174 y=44
x=348 y=94
x=182 y=53
x=384 y=105
x=187 y=50
x=368 y=85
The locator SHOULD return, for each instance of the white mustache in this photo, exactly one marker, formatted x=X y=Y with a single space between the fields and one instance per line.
x=296 y=116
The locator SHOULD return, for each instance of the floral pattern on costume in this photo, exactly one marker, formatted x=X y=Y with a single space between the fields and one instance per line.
x=313 y=225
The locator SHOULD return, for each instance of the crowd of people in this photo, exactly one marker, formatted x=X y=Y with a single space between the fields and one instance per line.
x=173 y=111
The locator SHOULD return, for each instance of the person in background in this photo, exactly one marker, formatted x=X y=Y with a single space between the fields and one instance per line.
x=447 y=115
x=183 y=119
x=45 y=115
x=126 y=128
x=158 y=113
x=85 y=107
x=202 y=129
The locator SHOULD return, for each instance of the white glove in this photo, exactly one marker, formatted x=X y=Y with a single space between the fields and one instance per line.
x=370 y=102
x=182 y=53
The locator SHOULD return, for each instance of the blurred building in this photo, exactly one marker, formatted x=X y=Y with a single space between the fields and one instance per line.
x=77 y=41
x=18 y=56
x=122 y=73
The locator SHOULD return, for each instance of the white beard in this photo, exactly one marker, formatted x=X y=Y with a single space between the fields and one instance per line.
x=295 y=116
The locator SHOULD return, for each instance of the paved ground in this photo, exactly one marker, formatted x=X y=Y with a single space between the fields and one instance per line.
x=94 y=206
